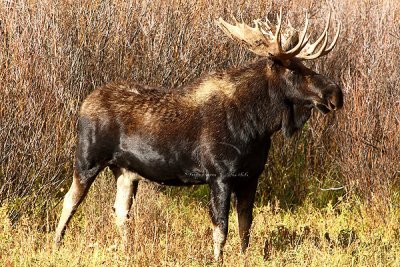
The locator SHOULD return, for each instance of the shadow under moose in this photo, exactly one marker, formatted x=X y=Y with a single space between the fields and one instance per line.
x=216 y=130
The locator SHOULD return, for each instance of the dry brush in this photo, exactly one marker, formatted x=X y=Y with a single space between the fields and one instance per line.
x=53 y=53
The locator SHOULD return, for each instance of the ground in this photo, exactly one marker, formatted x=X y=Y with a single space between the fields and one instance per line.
x=171 y=227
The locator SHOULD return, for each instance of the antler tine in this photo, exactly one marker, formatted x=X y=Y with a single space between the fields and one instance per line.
x=264 y=25
x=308 y=54
x=268 y=23
x=259 y=23
x=265 y=28
x=329 y=49
x=320 y=51
x=279 y=20
x=311 y=48
x=302 y=41
x=278 y=31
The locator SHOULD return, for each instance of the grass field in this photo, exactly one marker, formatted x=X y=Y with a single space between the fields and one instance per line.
x=54 y=53
x=172 y=228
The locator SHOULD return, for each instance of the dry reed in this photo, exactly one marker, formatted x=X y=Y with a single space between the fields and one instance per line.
x=53 y=53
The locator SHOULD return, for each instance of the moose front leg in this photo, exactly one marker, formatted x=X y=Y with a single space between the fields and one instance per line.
x=219 y=209
x=126 y=191
x=245 y=193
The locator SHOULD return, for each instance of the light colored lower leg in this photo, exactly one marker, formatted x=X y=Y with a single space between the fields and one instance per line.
x=71 y=201
x=123 y=201
x=219 y=239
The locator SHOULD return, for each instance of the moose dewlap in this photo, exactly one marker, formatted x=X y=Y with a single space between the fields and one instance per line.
x=216 y=130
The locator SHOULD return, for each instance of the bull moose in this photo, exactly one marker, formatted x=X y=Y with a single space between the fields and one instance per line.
x=215 y=131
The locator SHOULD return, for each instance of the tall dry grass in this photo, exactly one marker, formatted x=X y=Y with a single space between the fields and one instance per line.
x=167 y=230
x=53 y=53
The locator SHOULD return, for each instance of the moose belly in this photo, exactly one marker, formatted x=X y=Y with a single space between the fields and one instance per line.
x=172 y=166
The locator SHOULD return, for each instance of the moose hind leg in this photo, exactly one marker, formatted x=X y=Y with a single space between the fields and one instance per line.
x=72 y=199
x=219 y=209
x=127 y=184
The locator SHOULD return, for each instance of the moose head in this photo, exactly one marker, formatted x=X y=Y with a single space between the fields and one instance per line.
x=286 y=49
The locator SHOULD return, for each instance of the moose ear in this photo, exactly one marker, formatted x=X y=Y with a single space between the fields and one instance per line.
x=293 y=119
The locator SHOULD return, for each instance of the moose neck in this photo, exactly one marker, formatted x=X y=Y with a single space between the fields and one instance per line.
x=256 y=109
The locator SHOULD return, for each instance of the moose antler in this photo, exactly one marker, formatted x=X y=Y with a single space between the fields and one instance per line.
x=267 y=39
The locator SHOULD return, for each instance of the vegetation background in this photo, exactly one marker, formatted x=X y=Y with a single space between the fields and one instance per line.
x=337 y=180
